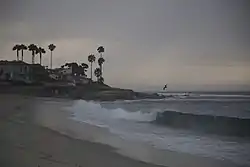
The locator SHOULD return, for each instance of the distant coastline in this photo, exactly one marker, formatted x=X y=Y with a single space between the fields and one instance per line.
x=94 y=91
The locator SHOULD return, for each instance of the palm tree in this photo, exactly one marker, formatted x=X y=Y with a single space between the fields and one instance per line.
x=23 y=47
x=100 y=62
x=40 y=51
x=17 y=48
x=33 y=48
x=100 y=50
x=98 y=73
x=84 y=65
x=91 y=59
x=51 y=48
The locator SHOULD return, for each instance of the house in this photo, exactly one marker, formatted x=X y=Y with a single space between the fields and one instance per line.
x=38 y=73
x=15 y=71
x=19 y=71
x=66 y=75
x=65 y=71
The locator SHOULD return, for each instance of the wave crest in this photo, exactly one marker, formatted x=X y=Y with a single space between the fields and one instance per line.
x=206 y=123
x=91 y=111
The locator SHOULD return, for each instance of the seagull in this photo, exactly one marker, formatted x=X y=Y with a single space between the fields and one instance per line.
x=165 y=87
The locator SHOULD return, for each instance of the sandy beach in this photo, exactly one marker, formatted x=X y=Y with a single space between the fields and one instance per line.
x=25 y=143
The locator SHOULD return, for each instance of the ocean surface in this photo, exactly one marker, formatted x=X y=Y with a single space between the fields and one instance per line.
x=134 y=121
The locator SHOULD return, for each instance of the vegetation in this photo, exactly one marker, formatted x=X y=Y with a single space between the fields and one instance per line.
x=77 y=69
x=33 y=48
x=100 y=50
x=40 y=51
x=84 y=65
x=17 y=48
x=101 y=60
x=98 y=74
x=91 y=59
x=51 y=48
x=22 y=48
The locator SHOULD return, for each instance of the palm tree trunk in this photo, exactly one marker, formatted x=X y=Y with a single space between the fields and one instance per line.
x=17 y=55
x=22 y=54
x=33 y=57
x=40 y=58
x=91 y=71
x=50 y=59
x=101 y=66
x=101 y=70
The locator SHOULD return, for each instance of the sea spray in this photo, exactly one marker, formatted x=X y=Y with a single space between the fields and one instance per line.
x=94 y=112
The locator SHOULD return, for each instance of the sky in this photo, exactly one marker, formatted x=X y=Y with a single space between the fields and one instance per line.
x=189 y=44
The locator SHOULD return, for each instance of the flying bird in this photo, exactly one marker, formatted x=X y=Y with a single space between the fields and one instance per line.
x=165 y=87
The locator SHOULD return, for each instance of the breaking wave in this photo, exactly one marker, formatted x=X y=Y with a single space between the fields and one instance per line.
x=222 y=125
x=120 y=128
x=95 y=113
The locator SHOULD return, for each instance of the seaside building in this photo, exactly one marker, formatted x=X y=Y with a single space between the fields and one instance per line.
x=65 y=71
x=19 y=71
x=66 y=75
x=15 y=71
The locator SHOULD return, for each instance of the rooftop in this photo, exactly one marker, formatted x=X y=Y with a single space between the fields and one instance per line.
x=5 y=62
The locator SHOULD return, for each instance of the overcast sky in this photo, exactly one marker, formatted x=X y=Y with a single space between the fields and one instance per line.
x=189 y=44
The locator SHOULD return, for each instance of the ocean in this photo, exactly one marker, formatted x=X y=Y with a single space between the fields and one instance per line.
x=132 y=125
